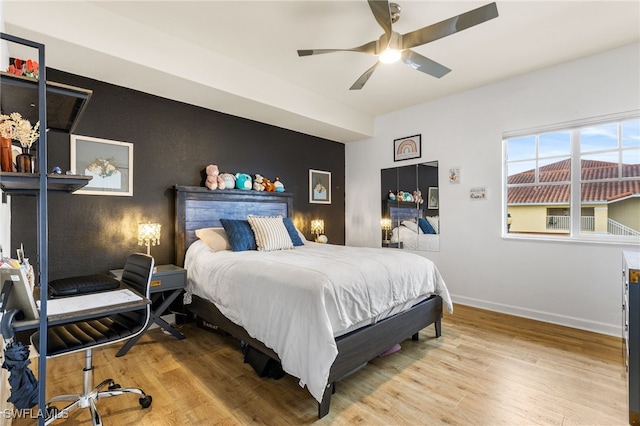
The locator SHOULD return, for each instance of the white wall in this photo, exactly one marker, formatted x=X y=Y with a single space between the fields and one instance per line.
x=570 y=283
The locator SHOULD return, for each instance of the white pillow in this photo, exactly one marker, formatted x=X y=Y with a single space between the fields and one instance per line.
x=434 y=221
x=215 y=238
x=302 y=237
x=270 y=233
x=412 y=225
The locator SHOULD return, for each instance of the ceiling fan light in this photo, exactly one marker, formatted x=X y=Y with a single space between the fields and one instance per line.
x=389 y=56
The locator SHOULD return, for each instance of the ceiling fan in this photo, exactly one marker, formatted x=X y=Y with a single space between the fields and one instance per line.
x=392 y=46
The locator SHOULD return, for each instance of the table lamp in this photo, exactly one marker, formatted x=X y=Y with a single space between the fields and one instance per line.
x=317 y=227
x=385 y=223
x=148 y=235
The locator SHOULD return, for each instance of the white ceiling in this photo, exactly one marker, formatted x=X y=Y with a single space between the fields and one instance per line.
x=240 y=57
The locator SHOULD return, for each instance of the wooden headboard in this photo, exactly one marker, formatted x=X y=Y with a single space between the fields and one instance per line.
x=198 y=207
x=401 y=211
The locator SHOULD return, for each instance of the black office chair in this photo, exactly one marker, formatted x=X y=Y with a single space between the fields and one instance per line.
x=88 y=334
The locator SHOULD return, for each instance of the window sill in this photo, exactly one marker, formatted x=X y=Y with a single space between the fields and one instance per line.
x=582 y=239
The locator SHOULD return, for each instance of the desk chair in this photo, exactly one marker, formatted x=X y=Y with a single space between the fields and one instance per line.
x=88 y=334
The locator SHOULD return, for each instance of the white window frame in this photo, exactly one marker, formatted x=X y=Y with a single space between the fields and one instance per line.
x=575 y=199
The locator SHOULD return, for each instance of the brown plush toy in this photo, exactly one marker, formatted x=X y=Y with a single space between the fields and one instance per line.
x=268 y=185
x=214 y=180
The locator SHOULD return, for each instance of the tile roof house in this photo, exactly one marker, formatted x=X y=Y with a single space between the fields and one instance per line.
x=592 y=192
x=605 y=195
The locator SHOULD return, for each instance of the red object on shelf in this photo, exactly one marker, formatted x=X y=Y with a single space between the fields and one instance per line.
x=6 y=158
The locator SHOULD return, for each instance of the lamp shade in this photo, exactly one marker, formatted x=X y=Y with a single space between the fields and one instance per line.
x=149 y=234
x=385 y=223
x=317 y=226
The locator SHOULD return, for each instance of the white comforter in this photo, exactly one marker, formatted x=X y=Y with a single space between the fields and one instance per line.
x=412 y=241
x=295 y=300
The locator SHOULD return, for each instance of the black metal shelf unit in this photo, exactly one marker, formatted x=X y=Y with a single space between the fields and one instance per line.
x=29 y=96
x=28 y=183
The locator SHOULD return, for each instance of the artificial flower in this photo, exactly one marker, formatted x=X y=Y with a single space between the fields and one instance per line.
x=28 y=68
x=13 y=126
x=13 y=70
x=31 y=69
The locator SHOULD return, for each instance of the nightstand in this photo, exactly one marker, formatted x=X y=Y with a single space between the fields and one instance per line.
x=167 y=281
x=392 y=245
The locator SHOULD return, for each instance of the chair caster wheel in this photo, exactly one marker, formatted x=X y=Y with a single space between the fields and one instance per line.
x=145 y=401
x=114 y=386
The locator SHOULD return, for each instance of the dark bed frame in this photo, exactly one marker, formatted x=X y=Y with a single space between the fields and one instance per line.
x=198 y=207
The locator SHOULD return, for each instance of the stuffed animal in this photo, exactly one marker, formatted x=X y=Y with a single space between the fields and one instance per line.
x=417 y=197
x=279 y=185
x=268 y=185
x=214 y=180
x=243 y=181
x=405 y=196
x=229 y=181
x=392 y=196
x=258 y=183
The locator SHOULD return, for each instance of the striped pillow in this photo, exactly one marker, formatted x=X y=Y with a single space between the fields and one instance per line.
x=270 y=233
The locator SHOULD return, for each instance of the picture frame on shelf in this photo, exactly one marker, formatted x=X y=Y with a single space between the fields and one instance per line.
x=109 y=163
x=407 y=148
x=319 y=187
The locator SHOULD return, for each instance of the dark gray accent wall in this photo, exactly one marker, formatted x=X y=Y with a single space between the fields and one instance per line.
x=173 y=143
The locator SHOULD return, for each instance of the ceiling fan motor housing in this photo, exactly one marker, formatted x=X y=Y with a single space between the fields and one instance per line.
x=395 y=10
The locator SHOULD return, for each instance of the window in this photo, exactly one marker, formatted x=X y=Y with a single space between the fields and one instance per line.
x=579 y=181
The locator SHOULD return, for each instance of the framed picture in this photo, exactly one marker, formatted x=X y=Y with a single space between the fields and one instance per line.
x=454 y=175
x=433 y=199
x=109 y=163
x=319 y=187
x=407 y=148
x=479 y=193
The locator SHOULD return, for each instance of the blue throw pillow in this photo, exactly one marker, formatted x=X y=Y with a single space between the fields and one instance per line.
x=293 y=232
x=240 y=235
x=426 y=226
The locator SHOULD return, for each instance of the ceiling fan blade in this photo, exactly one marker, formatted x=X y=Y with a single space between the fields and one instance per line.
x=382 y=13
x=422 y=64
x=360 y=82
x=369 y=48
x=449 y=26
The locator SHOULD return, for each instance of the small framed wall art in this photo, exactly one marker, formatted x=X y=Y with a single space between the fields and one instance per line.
x=454 y=175
x=478 y=193
x=433 y=200
x=109 y=163
x=407 y=148
x=319 y=187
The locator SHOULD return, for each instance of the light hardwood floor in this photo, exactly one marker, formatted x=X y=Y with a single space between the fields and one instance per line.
x=486 y=369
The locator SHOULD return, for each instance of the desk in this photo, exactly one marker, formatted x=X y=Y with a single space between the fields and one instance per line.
x=86 y=306
x=167 y=281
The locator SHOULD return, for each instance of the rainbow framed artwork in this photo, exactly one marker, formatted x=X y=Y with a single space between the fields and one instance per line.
x=407 y=148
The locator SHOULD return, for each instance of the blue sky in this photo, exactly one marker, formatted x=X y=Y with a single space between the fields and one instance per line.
x=556 y=146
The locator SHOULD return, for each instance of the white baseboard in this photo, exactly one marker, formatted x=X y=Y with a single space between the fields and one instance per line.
x=579 y=323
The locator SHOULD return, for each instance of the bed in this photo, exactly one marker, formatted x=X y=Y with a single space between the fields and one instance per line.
x=345 y=351
x=404 y=219
x=412 y=238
